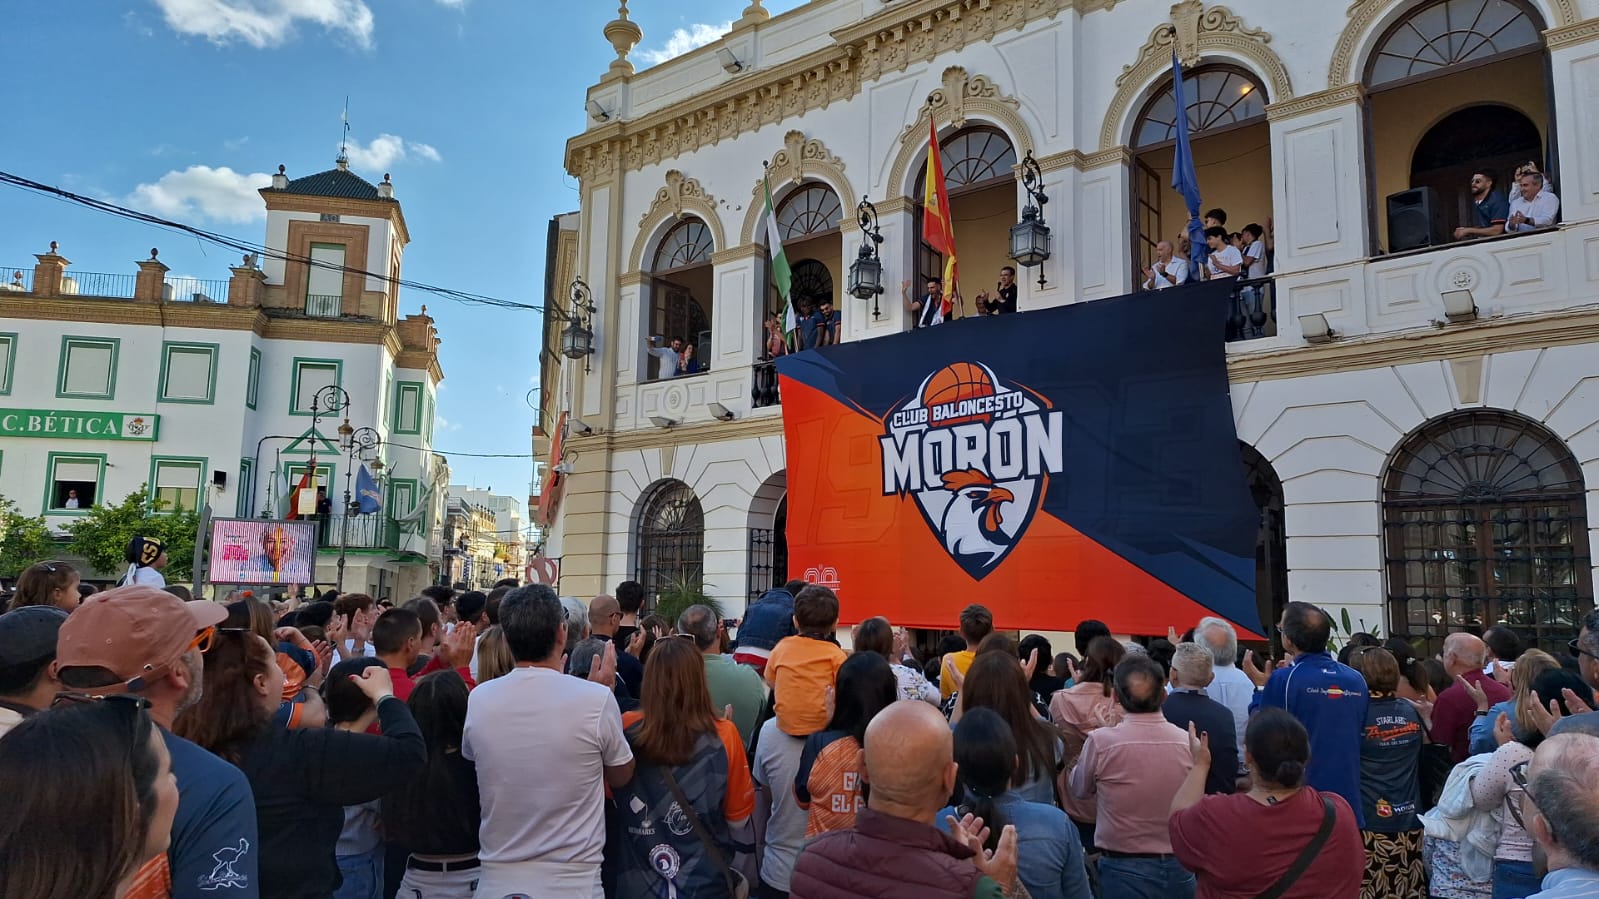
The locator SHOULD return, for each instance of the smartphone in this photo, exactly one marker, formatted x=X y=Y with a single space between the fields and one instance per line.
x=730 y=623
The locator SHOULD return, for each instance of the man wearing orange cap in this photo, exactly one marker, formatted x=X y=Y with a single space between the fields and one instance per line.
x=145 y=641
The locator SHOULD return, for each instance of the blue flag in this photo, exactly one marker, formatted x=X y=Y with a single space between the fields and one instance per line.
x=1183 y=179
x=368 y=498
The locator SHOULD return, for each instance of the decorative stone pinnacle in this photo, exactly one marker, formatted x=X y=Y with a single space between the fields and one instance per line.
x=154 y=252
x=52 y=248
x=754 y=14
x=624 y=34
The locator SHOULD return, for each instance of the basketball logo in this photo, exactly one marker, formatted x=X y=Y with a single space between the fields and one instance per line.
x=976 y=454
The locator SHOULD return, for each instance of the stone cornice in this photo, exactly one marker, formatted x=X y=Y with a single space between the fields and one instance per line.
x=1483 y=337
x=681 y=435
x=891 y=40
x=739 y=253
x=1571 y=35
x=217 y=316
x=420 y=360
x=1327 y=99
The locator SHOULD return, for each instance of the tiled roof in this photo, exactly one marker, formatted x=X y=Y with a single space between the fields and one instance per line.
x=333 y=183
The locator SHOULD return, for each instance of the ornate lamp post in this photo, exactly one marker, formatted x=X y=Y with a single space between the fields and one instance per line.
x=866 y=272
x=1029 y=238
x=353 y=443
x=577 y=338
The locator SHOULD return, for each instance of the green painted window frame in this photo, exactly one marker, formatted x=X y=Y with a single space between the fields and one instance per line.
x=210 y=349
x=50 y=480
x=9 y=338
x=245 y=488
x=68 y=341
x=198 y=463
x=294 y=383
x=427 y=420
x=326 y=473
x=395 y=484
x=401 y=404
x=252 y=380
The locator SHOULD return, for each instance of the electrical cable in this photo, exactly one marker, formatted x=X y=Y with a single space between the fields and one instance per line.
x=244 y=246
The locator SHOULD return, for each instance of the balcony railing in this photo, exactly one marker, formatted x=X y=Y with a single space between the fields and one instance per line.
x=197 y=290
x=17 y=279
x=764 y=393
x=321 y=305
x=375 y=531
x=98 y=284
x=1254 y=311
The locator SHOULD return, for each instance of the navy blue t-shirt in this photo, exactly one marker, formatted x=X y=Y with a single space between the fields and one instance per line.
x=214 y=844
x=1329 y=699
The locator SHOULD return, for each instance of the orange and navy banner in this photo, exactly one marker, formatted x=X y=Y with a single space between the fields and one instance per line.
x=1061 y=464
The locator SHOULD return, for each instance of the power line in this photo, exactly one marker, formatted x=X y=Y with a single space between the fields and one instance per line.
x=468 y=455
x=244 y=246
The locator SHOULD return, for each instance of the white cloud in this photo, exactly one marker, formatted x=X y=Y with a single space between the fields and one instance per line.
x=266 y=23
x=383 y=151
x=685 y=39
x=236 y=143
x=219 y=194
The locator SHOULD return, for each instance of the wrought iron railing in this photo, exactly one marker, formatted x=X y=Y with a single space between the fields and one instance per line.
x=321 y=305
x=1254 y=311
x=197 y=290
x=17 y=279
x=764 y=392
x=374 y=531
x=98 y=284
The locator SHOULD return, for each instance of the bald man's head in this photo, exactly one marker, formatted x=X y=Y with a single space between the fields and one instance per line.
x=605 y=613
x=1561 y=782
x=910 y=760
x=1463 y=652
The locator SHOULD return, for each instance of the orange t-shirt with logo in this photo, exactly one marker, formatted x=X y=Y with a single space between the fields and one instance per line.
x=828 y=784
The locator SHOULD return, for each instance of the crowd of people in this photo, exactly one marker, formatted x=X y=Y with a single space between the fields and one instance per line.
x=517 y=744
x=1245 y=255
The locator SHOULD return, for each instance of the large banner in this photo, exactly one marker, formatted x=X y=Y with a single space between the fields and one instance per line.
x=1056 y=465
x=259 y=551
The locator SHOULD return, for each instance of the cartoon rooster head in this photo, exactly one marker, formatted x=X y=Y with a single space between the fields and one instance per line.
x=972 y=522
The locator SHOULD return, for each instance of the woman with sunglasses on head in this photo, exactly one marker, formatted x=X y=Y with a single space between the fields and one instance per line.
x=1495 y=789
x=47 y=584
x=89 y=798
x=302 y=778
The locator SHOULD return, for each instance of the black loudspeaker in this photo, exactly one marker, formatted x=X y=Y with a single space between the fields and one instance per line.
x=1415 y=220
x=219 y=478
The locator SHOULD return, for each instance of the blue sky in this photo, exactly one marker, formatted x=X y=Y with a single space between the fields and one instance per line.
x=187 y=104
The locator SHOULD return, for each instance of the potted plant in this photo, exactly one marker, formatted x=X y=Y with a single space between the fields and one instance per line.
x=679 y=591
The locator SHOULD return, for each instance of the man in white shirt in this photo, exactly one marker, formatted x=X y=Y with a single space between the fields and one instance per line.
x=1230 y=686
x=1166 y=271
x=671 y=357
x=545 y=746
x=1255 y=251
x=1224 y=261
x=1532 y=206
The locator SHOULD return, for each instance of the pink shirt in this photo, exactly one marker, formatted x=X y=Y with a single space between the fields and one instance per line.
x=1082 y=708
x=1132 y=771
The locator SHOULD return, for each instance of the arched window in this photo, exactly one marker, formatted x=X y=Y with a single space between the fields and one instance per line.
x=1450 y=33
x=1485 y=523
x=671 y=539
x=688 y=243
x=813 y=209
x=1218 y=96
x=812 y=280
x=977 y=154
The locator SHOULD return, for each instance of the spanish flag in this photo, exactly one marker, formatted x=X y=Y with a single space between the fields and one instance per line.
x=938 y=228
x=306 y=487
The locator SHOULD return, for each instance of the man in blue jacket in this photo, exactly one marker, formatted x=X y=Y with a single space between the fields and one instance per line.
x=766 y=621
x=1328 y=698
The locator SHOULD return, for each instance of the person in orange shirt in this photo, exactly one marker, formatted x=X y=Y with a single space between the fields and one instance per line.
x=802 y=668
x=977 y=622
x=829 y=784
x=687 y=809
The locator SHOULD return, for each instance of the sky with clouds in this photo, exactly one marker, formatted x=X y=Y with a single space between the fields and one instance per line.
x=468 y=103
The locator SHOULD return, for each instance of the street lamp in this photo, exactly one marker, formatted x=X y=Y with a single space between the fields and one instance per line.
x=329 y=400
x=1029 y=238
x=577 y=338
x=866 y=272
x=353 y=442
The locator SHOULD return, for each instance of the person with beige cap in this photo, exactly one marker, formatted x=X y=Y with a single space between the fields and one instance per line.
x=143 y=640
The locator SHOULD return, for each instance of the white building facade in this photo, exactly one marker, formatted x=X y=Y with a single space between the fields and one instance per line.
x=203 y=392
x=1417 y=413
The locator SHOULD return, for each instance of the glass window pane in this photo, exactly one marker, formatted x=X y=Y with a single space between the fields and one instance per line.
x=188 y=374
x=88 y=368
x=323 y=280
x=313 y=376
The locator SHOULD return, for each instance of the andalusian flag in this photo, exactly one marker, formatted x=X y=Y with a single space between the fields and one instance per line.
x=780 y=271
x=938 y=228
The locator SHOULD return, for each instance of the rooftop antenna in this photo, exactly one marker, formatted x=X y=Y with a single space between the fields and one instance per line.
x=344 y=158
